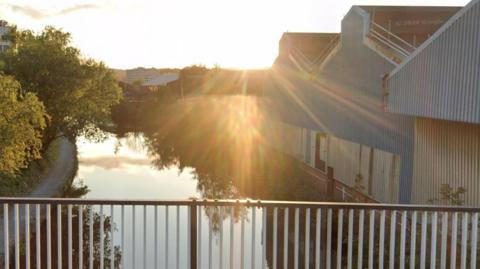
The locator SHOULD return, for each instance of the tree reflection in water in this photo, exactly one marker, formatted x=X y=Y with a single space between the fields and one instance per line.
x=71 y=191
x=75 y=240
x=222 y=139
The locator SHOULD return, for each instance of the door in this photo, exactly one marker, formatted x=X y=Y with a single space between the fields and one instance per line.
x=321 y=152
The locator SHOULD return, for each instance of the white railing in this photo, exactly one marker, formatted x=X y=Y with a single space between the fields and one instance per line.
x=77 y=233
x=326 y=51
x=390 y=40
x=313 y=65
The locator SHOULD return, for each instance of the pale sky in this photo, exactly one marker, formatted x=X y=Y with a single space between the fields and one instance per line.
x=178 y=33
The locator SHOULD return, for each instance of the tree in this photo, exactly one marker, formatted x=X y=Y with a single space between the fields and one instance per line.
x=22 y=119
x=450 y=195
x=77 y=93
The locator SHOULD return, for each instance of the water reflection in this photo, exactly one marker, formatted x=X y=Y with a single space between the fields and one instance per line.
x=221 y=139
x=80 y=241
x=203 y=148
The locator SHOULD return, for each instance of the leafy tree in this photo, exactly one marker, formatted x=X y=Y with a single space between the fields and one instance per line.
x=77 y=93
x=22 y=118
x=450 y=195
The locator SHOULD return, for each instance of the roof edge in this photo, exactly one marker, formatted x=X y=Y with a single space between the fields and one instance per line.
x=435 y=35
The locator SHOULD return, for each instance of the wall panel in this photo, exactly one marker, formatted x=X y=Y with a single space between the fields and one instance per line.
x=446 y=153
x=442 y=78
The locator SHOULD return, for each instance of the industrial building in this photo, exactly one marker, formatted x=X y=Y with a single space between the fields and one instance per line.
x=386 y=103
x=439 y=86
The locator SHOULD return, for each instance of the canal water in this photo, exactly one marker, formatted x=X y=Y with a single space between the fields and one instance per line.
x=120 y=168
x=208 y=151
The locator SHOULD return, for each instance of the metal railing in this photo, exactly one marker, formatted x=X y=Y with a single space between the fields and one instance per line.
x=326 y=51
x=390 y=40
x=312 y=66
x=78 y=233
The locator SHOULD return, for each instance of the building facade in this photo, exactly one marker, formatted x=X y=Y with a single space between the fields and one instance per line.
x=439 y=85
x=333 y=95
x=150 y=76
x=4 y=29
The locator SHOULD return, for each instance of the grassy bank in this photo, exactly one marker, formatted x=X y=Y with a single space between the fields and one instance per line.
x=25 y=181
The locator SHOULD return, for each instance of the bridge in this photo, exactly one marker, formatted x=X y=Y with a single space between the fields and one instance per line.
x=92 y=233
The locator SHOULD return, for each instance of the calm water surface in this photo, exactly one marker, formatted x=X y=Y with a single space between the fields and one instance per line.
x=205 y=149
x=121 y=168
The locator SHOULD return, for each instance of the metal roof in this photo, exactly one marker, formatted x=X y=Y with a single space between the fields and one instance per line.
x=441 y=79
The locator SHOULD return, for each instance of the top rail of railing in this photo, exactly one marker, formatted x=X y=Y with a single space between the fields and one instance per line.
x=391 y=40
x=248 y=203
x=408 y=46
x=326 y=51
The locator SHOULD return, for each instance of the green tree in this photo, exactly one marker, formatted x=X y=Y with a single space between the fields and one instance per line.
x=22 y=119
x=77 y=93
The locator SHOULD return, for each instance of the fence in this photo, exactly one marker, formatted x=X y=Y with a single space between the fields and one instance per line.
x=78 y=233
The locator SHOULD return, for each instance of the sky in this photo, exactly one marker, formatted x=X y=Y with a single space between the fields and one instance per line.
x=176 y=33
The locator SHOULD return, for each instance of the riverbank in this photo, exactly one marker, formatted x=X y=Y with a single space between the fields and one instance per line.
x=60 y=173
x=45 y=177
x=54 y=174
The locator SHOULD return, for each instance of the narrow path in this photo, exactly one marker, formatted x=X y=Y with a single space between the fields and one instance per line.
x=59 y=173
x=51 y=185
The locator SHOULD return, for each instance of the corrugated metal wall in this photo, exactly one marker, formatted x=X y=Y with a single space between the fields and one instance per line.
x=446 y=153
x=347 y=159
x=442 y=78
x=385 y=176
x=344 y=158
x=289 y=139
x=350 y=160
x=346 y=99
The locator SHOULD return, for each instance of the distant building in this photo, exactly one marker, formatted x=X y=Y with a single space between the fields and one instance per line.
x=150 y=76
x=327 y=93
x=161 y=80
x=198 y=80
x=4 y=29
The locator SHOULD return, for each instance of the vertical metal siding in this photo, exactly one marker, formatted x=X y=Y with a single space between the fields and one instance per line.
x=348 y=159
x=346 y=99
x=347 y=162
x=442 y=79
x=385 y=182
x=446 y=153
x=344 y=158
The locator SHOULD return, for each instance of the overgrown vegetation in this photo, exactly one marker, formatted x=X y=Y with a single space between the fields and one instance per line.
x=47 y=88
x=22 y=119
x=24 y=181
x=450 y=195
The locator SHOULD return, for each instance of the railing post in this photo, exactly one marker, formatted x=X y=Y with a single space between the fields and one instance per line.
x=331 y=182
x=193 y=235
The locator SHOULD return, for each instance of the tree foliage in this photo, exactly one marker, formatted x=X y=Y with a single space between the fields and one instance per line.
x=22 y=119
x=77 y=93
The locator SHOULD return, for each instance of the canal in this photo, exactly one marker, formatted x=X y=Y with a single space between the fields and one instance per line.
x=198 y=149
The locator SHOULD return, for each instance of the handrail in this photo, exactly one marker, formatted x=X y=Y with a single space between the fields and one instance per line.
x=387 y=42
x=393 y=35
x=229 y=202
x=43 y=229
x=391 y=40
x=312 y=64
x=322 y=55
